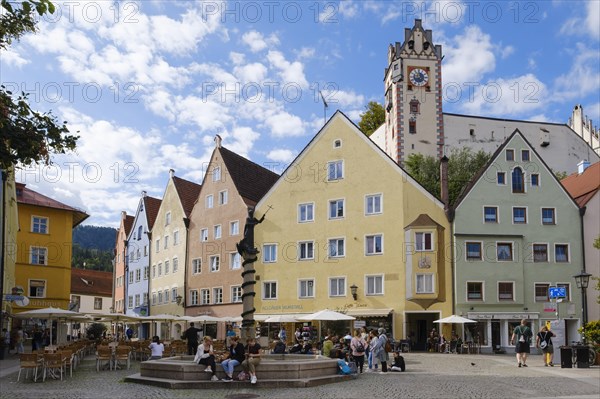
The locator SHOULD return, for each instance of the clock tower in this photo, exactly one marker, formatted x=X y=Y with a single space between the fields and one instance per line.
x=413 y=96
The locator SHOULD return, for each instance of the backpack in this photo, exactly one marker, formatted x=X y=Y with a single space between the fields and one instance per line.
x=343 y=368
x=388 y=346
x=242 y=376
x=359 y=348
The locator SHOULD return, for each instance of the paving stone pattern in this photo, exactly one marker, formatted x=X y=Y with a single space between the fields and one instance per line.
x=427 y=376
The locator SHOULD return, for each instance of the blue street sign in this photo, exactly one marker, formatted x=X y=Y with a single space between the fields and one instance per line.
x=557 y=292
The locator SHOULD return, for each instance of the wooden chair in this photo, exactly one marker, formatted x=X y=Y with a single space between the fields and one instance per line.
x=53 y=362
x=122 y=353
x=104 y=353
x=28 y=361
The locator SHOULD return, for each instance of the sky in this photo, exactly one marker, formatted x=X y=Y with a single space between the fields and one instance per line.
x=147 y=85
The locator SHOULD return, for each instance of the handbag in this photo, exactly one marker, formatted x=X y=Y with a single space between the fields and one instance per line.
x=543 y=344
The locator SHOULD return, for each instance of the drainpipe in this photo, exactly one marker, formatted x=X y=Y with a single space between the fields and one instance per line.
x=582 y=210
x=186 y=222
x=3 y=246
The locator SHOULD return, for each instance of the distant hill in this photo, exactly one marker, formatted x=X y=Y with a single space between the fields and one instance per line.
x=94 y=247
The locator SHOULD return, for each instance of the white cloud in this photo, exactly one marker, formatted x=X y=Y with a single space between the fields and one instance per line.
x=281 y=155
x=251 y=73
x=469 y=56
x=348 y=9
x=258 y=42
x=12 y=58
x=306 y=52
x=506 y=51
x=583 y=78
x=283 y=124
x=509 y=97
x=344 y=99
x=237 y=58
x=289 y=72
x=589 y=21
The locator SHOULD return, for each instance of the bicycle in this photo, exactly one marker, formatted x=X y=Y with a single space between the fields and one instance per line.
x=592 y=351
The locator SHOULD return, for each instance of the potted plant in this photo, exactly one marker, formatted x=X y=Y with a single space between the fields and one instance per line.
x=591 y=332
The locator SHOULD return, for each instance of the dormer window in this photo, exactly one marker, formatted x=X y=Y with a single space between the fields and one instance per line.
x=411 y=44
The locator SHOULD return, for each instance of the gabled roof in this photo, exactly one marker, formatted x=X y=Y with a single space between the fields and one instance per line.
x=491 y=161
x=583 y=187
x=28 y=196
x=188 y=192
x=91 y=282
x=339 y=114
x=151 y=205
x=251 y=180
x=423 y=220
x=128 y=224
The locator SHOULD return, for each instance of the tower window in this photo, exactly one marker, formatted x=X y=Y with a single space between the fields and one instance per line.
x=414 y=107
x=412 y=127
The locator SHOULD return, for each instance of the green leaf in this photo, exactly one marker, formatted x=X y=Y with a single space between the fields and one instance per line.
x=7 y=6
x=51 y=8
x=26 y=7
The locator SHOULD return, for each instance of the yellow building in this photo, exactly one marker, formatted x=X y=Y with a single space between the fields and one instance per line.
x=44 y=246
x=349 y=230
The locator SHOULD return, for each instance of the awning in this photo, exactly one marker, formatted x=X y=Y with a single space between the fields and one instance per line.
x=369 y=312
x=264 y=316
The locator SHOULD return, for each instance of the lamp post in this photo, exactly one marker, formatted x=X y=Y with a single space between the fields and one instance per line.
x=583 y=280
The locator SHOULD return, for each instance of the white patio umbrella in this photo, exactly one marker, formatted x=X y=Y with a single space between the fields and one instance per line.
x=456 y=320
x=326 y=315
x=164 y=318
x=281 y=319
x=48 y=313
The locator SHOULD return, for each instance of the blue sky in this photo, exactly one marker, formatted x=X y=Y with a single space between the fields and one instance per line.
x=149 y=84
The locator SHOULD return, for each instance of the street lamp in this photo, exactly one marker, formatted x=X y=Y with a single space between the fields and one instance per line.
x=179 y=299
x=354 y=291
x=583 y=280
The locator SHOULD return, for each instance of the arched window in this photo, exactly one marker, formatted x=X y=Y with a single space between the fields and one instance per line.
x=518 y=185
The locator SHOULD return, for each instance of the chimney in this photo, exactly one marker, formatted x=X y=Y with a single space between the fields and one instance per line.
x=144 y=193
x=218 y=140
x=123 y=215
x=171 y=173
x=582 y=166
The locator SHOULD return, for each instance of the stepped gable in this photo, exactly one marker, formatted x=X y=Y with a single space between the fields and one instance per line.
x=188 y=192
x=151 y=205
x=251 y=180
x=584 y=186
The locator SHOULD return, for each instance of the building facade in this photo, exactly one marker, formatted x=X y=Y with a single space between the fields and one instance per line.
x=366 y=241
x=517 y=233
x=214 y=283
x=585 y=128
x=120 y=263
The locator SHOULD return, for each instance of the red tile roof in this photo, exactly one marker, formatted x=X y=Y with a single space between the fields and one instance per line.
x=91 y=282
x=151 y=205
x=251 y=180
x=582 y=187
x=188 y=193
x=28 y=196
x=128 y=224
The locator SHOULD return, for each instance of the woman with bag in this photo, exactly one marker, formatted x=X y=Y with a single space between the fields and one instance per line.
x=544 y=342
x=523 y=335
x=358 y=346
x=236 y=356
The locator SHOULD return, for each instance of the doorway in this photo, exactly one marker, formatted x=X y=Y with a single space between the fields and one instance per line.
x=496 y=336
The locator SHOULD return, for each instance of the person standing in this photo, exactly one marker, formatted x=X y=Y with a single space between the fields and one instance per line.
x=544 y=342
x=252 y=359
x=382 y=354
x=358 y=346
x=523 y=335
x=282 y=335
x=298 y=336
x=157 y=348
x=206 y=356
x=191 y=335
x=6 y=337
x=236 y=356
x=20 y=340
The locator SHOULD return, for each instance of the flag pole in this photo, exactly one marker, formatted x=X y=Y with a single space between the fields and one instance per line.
x=325 y=106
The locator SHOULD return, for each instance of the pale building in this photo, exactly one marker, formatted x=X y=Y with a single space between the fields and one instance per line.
x=585 y=128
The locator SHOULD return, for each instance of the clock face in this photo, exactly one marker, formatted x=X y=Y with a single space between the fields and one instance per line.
x=418 y=77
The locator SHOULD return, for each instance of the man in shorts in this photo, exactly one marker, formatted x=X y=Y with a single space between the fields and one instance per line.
x=522 y=337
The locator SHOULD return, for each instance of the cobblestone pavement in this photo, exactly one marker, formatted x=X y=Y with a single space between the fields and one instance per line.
x=427 y=376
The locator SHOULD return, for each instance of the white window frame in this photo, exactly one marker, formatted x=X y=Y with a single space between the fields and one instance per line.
x=547 y=296
x=333 y=244
x=209 y=201
x=335 y=170
x=146 y=272
x=526 y=214
x=234 y=228
x=421 y=242
x=374 y=238
x=267 y=249
x=223 y=197
x=306 y=205
x=568 y=252
x=236 y=294
x=371 y=198
x=217 y=295
x=216 y=174
x=130 y=302
x=131 y=277
x=138 y=275
x=217 y=231
x=512 y=251
x=374 y=292
x=45 y=287
x=205 y=296
x=167 y=218
x=203 y=235
x=482 y=291
x=42 y=221
x=426 y=285
x=166 y=242
x=136 y=301
x=235 y=260
x=215 y=263
x=338 y=280
x=497 y=214
x=333 y=209
x=176 y=237
x=498 y=175
x=174 y=294
x=194 y=297
x=306 y=288
x=467 y=251
x=306 y=247
x=547 y=245
x=500 y=300
x=167 y=268
x=157 y=245
x=264 y=290
x=41 y=253
x=197 y=266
